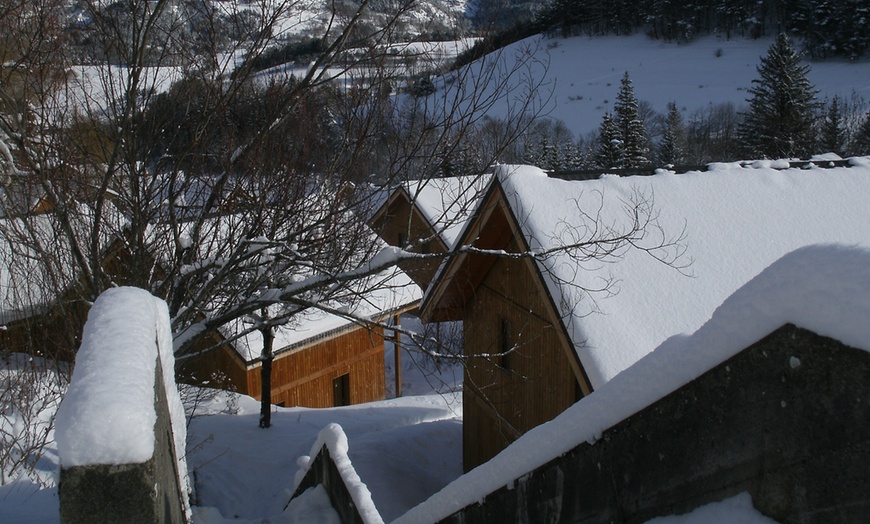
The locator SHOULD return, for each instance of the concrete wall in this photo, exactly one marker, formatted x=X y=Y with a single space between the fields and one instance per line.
x=148 y=492
x=787 y=420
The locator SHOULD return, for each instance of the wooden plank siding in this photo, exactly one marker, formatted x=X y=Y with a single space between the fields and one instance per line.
x=304 y=377
x=54 y=334
x=506 y=396
x=504 y=304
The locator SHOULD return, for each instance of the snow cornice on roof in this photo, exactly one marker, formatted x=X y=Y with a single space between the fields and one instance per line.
x=391 y=293
x=823 y=288
x=444 y=204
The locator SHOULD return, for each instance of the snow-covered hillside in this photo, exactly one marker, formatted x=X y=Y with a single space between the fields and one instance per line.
x=583 y=74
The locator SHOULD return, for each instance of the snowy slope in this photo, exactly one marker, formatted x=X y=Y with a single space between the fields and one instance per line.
x=244 y=471
x=583 y=74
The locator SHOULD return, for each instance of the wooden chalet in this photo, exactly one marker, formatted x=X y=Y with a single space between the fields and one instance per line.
x=320 y=361
x=311 y=373
x=426 y=216
x=569 y=311
x=506 y=312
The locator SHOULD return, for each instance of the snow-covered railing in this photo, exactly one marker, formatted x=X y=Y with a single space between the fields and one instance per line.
x=121 y=428
x=328 y=465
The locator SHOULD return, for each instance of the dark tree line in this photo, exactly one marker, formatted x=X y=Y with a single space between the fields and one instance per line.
x=828 y=29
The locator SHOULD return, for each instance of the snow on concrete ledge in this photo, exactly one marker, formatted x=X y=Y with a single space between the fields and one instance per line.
x=107 y=415
x=333 y=437
x=822 y=288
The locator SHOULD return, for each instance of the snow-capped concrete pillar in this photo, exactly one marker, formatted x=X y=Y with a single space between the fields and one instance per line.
x=120 y=428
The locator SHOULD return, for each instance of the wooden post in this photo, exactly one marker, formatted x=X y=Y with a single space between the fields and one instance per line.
x=397 y=356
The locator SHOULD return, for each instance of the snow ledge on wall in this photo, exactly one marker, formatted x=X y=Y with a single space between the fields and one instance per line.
x=822 y=288
x=333 y=437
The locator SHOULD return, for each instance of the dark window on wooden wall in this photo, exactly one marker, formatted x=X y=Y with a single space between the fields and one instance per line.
x=341 y=390
x=505 y=344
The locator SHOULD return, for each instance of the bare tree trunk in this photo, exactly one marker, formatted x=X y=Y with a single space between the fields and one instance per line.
x=266 y=377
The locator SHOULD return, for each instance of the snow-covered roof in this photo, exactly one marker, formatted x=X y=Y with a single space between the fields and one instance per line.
x=370 y=298
x=824 y=288
x=736 y=220
x=447 y=203
x=36 y=263
x=386 y=292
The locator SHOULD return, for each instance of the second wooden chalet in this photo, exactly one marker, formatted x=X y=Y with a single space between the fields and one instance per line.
x=320 y=359
x=574 y=281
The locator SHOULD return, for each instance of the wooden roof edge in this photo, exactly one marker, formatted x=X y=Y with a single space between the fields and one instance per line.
x=451 y=264
x=430 y=310
x=679 y=169
x=398 y=310
x=397 y=192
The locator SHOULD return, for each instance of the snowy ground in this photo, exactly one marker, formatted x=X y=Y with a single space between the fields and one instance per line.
x=244 y=473
x=247 y=473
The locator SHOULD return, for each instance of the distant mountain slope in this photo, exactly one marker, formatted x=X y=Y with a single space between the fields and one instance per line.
x=584 y=73
x=828 y=29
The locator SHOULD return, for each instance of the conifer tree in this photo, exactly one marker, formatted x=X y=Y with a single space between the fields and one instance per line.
x=671 y=148
x=632 y=132
x=532 y=152
x=609 y=153
x=549 y=155
x=574 y=156
x=861 y=142
x=779 y=123
x=833 y=136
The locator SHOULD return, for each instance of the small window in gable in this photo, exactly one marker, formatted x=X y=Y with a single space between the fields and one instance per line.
x=505 y=344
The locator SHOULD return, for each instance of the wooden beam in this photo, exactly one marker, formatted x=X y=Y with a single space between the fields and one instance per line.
x=397 y=355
